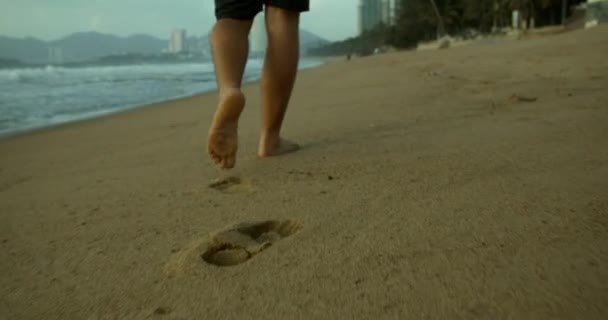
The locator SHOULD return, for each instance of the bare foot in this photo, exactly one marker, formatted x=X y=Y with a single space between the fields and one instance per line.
x=270 y=147
x=223 y=135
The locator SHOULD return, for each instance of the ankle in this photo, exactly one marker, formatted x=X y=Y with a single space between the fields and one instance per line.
x=231 y=104
x=270 y=136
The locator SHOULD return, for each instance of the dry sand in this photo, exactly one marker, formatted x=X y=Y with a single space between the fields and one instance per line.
x=426 y=189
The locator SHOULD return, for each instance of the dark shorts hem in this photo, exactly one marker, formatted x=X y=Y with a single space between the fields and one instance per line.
x=248 y=9
x=291 y=5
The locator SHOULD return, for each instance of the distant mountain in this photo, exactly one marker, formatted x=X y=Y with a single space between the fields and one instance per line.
x=27 y=50
x=84 y=46
x=309 y=40
x=10 y=63
x=79 y=46
x=199 y=44
x=92 y=45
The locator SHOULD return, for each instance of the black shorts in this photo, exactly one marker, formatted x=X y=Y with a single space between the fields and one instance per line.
x=248 y=9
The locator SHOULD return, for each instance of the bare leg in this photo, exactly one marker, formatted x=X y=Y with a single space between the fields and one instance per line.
x=230 y=44
x=278 y=77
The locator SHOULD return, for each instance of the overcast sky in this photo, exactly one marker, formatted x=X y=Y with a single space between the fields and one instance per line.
x=53 y=19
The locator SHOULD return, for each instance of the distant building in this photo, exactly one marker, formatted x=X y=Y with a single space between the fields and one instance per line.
x=386 y=17
x=374 y=12
x=395 y=11
x=257 y=37
x=177 y=41
x=597 y=12
x=370 y=14
x=55 y=55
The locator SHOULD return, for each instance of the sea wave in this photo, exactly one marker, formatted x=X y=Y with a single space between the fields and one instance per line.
x=100 y=73
x=38 y=97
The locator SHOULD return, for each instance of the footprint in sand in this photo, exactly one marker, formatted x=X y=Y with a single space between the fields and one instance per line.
x=240 y=243
x=231 y=246
x=231 y=185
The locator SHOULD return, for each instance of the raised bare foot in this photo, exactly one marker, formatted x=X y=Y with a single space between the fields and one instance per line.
x=223 y=135
x=276 y=146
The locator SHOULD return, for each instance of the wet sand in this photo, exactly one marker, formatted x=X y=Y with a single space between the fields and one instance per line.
x=468 y=183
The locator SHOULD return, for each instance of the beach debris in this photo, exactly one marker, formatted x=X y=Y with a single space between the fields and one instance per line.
x=330 y=178
x=223 y=184
x=520 y=98
x=445 y=43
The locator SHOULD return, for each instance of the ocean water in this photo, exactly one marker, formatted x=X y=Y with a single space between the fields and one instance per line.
x=36 y=98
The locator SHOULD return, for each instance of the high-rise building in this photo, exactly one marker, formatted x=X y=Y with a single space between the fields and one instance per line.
x=177 y=41
x=386 y=16
x=395 y=11
x=374 y=12
x=370 y=14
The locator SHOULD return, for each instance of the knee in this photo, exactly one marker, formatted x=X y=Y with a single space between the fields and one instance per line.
x=281 y=21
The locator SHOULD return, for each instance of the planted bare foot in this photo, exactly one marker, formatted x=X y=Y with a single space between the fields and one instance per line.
x=223 y=136
x=276 y=146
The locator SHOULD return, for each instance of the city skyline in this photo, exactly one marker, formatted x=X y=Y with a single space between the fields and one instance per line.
x=333 y=20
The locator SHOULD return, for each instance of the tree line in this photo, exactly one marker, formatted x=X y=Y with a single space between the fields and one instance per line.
x=423 y=20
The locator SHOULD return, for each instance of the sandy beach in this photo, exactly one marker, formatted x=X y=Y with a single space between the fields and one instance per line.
x=467 y=183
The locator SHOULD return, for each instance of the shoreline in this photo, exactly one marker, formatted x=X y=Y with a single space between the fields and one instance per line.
x=83 y=121
x=128 y=109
